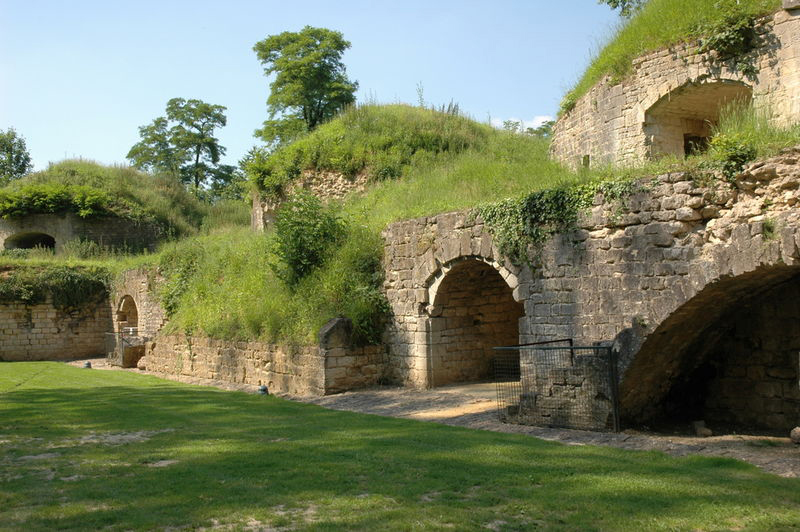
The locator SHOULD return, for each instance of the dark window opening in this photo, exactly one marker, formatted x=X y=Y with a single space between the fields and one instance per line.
x=694 y=145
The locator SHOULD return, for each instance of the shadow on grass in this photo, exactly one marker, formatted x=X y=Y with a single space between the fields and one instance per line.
x=238 y=456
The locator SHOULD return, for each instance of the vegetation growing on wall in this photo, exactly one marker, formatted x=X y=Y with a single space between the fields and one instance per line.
x=744 y=134
x=724 y=26
x=90 y=189
x=519 y=224
x=69 y=286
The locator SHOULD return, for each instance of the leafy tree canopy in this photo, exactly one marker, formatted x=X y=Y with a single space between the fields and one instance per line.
x=15 y=161
x=626 y=7
x=183 y=144
x=310 y=84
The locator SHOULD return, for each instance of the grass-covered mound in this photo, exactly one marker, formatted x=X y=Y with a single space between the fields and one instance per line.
x=240 y=285
x=91 y=189
x=113 y=450
x=383 y=141
x=662 y=23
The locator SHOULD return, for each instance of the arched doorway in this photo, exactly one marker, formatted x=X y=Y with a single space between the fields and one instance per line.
x=127 y=315
x=728 y=356
x=473 y=311
x=680 y=122
x=30 y=241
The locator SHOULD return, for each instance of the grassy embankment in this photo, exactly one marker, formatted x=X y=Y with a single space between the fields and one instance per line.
x=223 y=286
x=221 y=282
x=120 y=451
x=662 y=23
x=89 y=189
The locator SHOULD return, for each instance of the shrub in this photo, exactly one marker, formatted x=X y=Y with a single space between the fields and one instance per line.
x=730 y=152
x=304 y=231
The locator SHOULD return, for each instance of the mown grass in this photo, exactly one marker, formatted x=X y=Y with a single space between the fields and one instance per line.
x=660 y=23
x=199 y=457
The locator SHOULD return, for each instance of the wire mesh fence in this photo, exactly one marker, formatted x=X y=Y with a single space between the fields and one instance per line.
x=557 y=385
x=125 y=347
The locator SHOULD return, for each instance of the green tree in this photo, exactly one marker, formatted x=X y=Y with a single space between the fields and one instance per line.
x=626 y=7
x=183 y=143
x=310 y=84
x=15 y=161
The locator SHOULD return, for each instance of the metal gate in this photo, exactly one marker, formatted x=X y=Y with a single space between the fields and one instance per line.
x=557 y=385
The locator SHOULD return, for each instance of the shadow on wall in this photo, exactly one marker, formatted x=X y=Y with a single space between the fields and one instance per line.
x=680 y=123
x=473 y=312
x=728 y=356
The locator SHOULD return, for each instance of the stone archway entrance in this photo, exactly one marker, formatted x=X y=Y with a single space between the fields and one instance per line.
x=680 y=123
x=127 y=315
x=729 y=356
x=473 y=310
x=30 y=241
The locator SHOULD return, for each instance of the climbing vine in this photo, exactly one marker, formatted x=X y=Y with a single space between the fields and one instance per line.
x=520 y=223
x=731 y=37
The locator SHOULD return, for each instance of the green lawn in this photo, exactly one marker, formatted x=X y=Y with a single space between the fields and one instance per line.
x=67 y=462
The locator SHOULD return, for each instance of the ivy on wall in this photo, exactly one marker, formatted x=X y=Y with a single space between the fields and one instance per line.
x=519 y=224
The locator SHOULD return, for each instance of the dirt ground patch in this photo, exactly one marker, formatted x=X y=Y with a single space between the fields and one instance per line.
x=473 y=406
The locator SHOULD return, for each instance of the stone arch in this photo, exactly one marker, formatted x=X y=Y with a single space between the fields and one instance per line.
x=434 y=282
x=680 y=121
x=728 y=355
x=473 y=307
x=127 y=316
x=29 y=240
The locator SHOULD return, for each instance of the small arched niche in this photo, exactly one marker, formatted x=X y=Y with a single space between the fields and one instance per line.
x=680 y=123
x=127 y=314
x=30 y=241
x=473 y=311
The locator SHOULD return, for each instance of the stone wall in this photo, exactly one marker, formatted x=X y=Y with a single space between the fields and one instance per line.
x=44 y=332
x=654 y=273
x=108 y=231
x=752 y=371
x=331 y=367
x=140 y=286
x=677 y=91
x=325 y=185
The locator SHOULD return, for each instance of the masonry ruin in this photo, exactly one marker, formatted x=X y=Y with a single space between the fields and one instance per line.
x=53 y=231
x=672 y=98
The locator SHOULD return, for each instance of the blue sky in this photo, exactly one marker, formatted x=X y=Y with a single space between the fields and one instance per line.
x=77 y=78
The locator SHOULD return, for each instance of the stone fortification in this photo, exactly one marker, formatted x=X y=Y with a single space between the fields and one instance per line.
x=672 y=97
x=138 y=286
x=332 y=366
x=660 y=272
x=323 y=184
x=109 y=231
x=44 y=332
